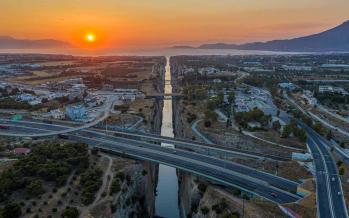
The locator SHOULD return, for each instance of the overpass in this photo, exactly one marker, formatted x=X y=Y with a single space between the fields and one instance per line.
x=161 y=96
x=209 y=149
x=266 y=185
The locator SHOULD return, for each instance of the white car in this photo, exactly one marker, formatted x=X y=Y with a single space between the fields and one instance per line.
x=333 y=179
x=339 y=193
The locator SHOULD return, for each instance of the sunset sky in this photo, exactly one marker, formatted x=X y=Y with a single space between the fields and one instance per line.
x=156 y=23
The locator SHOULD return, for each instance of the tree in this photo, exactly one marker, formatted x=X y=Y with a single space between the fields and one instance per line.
x=70 y=212
x=319 y=128
x=220 y=98
x=205 y=210
x=302 y=135
x=341 y=170
x=44 y=100
x=207 y=123
x=231 y=98
x=329 y=135
x=11 y=210
x=286 y=131
x=276 y=125
x=210 y=115
x=35 y=188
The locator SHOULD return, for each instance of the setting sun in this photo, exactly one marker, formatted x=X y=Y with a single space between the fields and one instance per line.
x=90 y=37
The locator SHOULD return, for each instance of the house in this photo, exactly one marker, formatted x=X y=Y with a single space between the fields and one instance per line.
x=208 y=70
x=296 y=68
x=21 y=151
x=289 y=86
x=77 y=112
x=57 y=114
x=26 y=97
x=301 y=156
x=331 y=89
x=309 y=97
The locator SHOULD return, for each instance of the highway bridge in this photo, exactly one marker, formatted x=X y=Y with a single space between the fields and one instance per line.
x=225 y=172
x=37 y=126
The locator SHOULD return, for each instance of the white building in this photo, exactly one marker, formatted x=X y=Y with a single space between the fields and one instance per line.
x=296 y=68
x=289 y=86
x=309 y=97
x=57 y=114
x=77 y=112
x=26 y=97
x=331 y=89
x=208 y=71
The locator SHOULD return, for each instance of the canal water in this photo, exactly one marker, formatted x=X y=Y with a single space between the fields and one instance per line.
x=166 y=202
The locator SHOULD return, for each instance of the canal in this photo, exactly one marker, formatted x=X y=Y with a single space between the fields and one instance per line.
x=166 y=202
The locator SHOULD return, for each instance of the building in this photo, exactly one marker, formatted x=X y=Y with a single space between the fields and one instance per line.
x=21 y=151
x=208 y=70
x=335 y=66
x=309 y=97
x=77 y=112
x=289 y=86
x=301 y=156
x=57 y=114
x=26 y=97
x=296 y=68
x=331 y=89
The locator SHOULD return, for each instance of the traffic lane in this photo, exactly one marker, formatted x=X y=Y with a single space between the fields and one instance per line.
x=272 y=179
x=323 y=206
x=186 y=143
x=38 y=125
x=209 y=170
x=281 y=195
x=278 y=182
x=22 y=129
x=333 y=177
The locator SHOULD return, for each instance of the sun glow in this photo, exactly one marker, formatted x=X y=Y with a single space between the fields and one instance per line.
x=90 y=37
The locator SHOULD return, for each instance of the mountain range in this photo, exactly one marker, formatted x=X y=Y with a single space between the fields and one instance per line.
x=332 y=40
x=8 y=42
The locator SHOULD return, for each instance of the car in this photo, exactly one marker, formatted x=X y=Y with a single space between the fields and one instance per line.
x=339 y=193
x=62 y=136
x=274 y=194
x=4 y=127
x=333 y=179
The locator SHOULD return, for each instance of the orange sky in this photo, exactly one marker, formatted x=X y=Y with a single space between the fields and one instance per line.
x=153 y=23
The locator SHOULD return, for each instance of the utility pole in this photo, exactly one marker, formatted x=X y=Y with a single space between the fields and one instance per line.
x=243 y=206
x=106 y=126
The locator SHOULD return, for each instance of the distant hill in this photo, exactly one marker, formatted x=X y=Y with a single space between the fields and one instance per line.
x=335 y=39
x=8 y=42
x=182 y=47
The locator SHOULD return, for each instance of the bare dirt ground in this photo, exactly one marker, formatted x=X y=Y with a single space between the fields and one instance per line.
x=307 y=206
x=251 y=208
x=282 y=169
x=273 y=136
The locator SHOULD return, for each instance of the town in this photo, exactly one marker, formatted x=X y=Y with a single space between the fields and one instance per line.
x=92 y=127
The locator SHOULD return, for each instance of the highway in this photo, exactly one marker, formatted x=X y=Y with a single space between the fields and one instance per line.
x=329 y=178
x=330 y=199
x=131 y=147
x=218 y=150
x=108 y=107
x=201 y=167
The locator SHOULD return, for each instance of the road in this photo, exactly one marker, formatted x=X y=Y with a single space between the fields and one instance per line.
x=328 y=180
x=201 y=167
x=199 y=134
x=330 y=200
x=108 y=107
x=322 y=108
x=160 y=154
x=213 y=149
